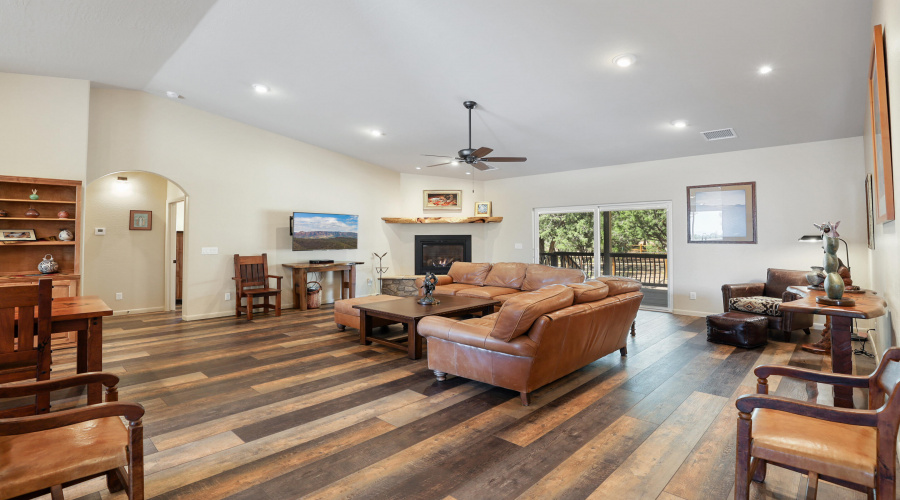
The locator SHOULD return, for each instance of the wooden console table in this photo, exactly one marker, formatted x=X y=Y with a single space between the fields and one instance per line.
x=868 y=305
x=300 y=270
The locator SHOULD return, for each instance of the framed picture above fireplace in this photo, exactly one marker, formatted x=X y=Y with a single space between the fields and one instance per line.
x=434 y=199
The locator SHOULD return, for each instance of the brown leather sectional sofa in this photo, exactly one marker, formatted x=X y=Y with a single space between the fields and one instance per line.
x=538 y=336
x=500 y=281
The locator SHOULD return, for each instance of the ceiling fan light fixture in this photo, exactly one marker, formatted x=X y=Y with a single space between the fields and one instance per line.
x=454 y=163
x=624 y=60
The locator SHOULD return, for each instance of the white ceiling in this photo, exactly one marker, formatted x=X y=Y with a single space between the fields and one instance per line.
x=541 y=71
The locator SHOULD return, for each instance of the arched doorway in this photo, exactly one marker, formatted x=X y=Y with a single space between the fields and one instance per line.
x=131 y=225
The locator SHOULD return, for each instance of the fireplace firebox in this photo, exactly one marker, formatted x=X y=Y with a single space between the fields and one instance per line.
x=436 y=253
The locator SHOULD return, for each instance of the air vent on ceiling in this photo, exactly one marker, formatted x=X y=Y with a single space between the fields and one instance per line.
x=718 y=135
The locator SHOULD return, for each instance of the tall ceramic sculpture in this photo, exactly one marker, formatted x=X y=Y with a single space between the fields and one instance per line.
x=834 y=283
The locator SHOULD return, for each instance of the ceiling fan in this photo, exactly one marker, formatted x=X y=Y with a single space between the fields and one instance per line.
x=475 y=157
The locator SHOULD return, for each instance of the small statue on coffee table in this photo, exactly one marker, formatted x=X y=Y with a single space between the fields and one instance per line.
x=428 y=286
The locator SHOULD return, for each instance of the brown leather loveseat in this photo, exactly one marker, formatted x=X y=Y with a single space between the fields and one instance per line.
x=536 y=337
x=500 y=281
x=765 y=298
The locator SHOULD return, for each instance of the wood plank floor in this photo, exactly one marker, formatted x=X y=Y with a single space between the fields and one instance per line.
x=291 y=407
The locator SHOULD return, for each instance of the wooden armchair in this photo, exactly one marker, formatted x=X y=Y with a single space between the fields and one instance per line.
x=251 y=279
x=42 y=454
x=849 y=447
x=25 y=349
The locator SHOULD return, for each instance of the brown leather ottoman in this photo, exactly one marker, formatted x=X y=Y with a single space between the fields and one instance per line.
x=345 y=315
x=737 y=329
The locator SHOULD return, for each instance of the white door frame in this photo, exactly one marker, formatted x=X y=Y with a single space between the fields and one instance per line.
x=613 y=207
x=171 y=235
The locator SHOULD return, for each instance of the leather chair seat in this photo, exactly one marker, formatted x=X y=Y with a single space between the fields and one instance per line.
x=32 y=461
x=842 y=451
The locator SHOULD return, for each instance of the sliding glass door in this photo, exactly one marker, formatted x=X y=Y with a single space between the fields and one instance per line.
x=610 y=240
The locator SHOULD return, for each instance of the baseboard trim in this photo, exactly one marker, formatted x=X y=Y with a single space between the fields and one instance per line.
x=685 y=312
x=125 y=312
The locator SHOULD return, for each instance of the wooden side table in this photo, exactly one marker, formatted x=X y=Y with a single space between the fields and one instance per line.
x=300 y=270
x=868 y=305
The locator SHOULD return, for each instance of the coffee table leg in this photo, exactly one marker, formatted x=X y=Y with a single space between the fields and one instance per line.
x=365 y=328
x=842 y=358
x=415 y=340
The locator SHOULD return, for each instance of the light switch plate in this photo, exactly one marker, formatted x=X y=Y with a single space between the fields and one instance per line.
x=100 y=231
x=209 y=250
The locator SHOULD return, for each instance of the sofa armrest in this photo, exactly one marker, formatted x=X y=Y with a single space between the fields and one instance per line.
x=741 y=290
x=474 y=334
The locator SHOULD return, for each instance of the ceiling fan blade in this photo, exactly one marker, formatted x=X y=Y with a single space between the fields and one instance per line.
x=482 y=151
x=439 y=156
x=481 y=166
x=506 y=158
x=437 y=164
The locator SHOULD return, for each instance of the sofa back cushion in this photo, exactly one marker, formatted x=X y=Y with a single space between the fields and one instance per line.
x=519 y=312
x=777 y=281
x=589 y=291
x=469 y=273
x=506 y=275
x=538 y=276
x=619 y=285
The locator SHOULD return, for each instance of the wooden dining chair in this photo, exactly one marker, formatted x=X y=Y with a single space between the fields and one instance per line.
x=42 y=454
x=849 y=447
x=251 y=280
x=25 y=349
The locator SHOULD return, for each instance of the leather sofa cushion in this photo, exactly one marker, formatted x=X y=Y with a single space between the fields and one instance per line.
x=538 y=276
x=507 y=275
x=470 y=273
x=767 y=306
x=619 y=285
x=843 y=451
x=483 y=292
x=519 y=312
x=476 y=333
x=451 y=289
x=589 y=291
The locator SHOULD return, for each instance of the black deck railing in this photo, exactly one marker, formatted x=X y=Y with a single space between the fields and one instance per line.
x=648 y=268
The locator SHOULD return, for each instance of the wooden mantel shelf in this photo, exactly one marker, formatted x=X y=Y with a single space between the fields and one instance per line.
x=440 y=220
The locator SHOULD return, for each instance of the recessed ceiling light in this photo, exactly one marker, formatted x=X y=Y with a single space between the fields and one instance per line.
x=173 y=95
x=418 y=168
x=624 y=60
x=468 y=173
x=454 y=163
x=679 y=124
x=765 y=70
x=260 y=88
x=377 y=133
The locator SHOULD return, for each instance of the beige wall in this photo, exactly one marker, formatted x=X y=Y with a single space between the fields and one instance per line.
x=797 y=185
x=885 y=267
x=125 y=261
x=43 y=126
x=242 y=183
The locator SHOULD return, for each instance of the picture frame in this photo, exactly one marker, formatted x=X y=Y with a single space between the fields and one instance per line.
x=140 y=220
x=437 y=199
x=482 y=209
x=17 y=235
x=870 y=214
x=722 y=213
x=883 y=188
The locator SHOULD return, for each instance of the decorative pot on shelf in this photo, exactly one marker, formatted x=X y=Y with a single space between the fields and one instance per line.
x=3 y=213
x=62 y=214
x=66 y=235
x=48 y=265
x=31 y=212
x=34 y=194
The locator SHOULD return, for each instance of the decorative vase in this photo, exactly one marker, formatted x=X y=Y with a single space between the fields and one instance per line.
x=816 y=277
x=3 y=213
x=62 y=214
x=48 y=265
x=834 y=283
x=31 y=212
x=34 y=194
x=66 y=235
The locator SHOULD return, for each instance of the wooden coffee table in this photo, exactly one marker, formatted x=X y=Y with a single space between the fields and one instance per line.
x=408 y=312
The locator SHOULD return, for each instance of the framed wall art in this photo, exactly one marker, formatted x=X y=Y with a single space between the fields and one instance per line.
x=141 y=220
x=482 y=209
x=722 y=213
x=441 y=200
x=881 y=132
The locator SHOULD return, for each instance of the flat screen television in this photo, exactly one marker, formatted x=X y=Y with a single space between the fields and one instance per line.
x=313 y=231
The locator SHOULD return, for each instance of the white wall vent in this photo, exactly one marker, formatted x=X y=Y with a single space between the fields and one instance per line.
x=718 y=135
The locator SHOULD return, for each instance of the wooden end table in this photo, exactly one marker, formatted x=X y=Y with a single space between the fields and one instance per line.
x=868 y=305
x=408 y=312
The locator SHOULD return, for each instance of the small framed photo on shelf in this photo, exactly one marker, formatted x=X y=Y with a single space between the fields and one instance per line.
x=482 y=209
x=441 y=200
x=141 y=220
x=17 y=235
